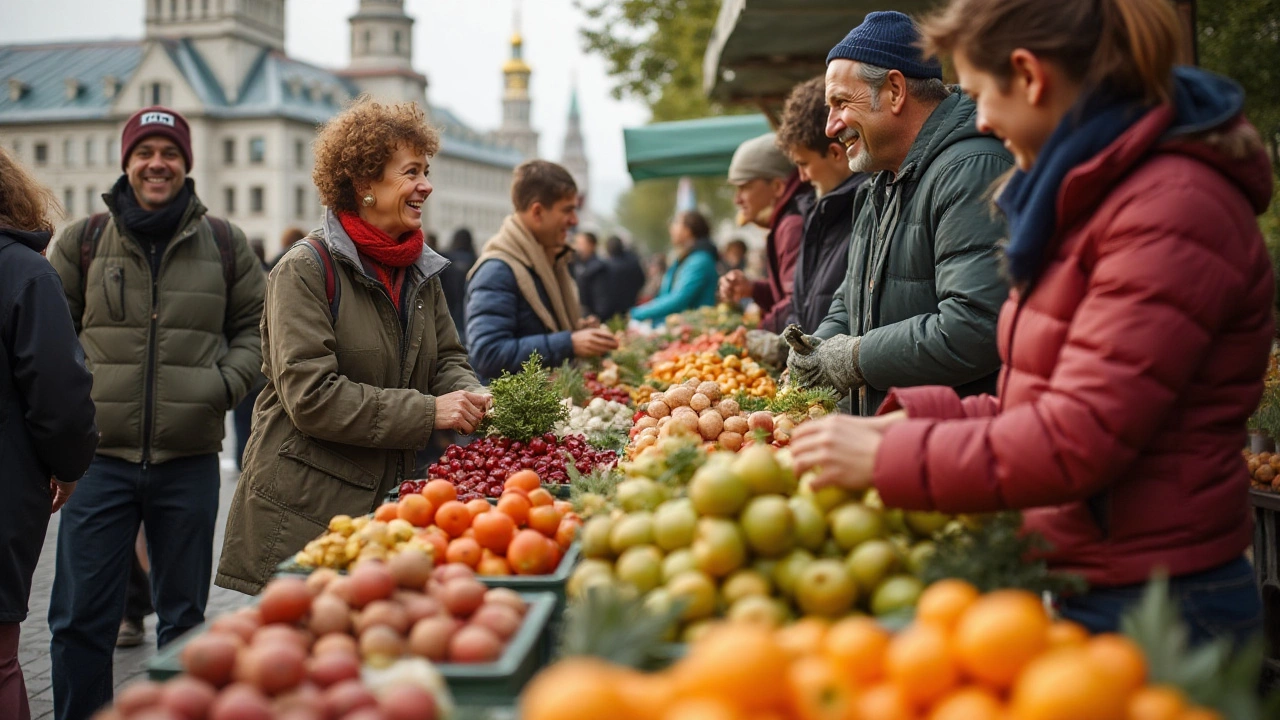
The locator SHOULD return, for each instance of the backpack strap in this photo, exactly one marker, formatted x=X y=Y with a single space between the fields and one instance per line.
x=222 y=238
x=90 y=234
x=332 y=288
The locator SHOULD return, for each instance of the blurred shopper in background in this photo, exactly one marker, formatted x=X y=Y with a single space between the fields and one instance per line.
x=591 y=275
x=462 y=257
x=733 y=257
x=626 y=278
x=690 y=282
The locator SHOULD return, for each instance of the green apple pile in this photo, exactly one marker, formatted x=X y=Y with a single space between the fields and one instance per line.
x=746 y=540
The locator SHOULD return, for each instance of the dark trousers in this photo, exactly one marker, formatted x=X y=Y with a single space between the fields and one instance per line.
x=137 y=604
x=1221 y=601
x=13 y=691
x=242 y=420
x=177 y=503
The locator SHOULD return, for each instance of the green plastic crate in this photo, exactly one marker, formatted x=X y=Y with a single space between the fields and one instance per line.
x=480 y=684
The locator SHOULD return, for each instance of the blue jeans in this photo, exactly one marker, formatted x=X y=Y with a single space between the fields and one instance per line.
x=177 y=502
x=1216 y=602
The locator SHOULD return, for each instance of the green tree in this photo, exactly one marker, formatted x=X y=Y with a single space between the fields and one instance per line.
x=646 y=209
x=1241 y=39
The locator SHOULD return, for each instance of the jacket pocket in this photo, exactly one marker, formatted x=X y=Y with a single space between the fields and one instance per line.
x=113 y=289
x=317 y=483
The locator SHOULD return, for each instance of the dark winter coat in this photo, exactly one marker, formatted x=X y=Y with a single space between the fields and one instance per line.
x=824 y=251
x=46 y=414
x=626 y=280
x=170 y=353
x=923 y=285
x=592 y=277
x=454 y=282
x=502 y=328
x=1130 y=366
x=347 y=402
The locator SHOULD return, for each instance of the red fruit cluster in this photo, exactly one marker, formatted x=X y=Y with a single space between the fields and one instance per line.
x=479 y=469
x=597 y=389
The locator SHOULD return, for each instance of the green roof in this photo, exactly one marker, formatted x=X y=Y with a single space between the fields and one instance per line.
x=689 y=147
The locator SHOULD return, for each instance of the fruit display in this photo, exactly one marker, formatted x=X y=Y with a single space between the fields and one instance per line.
x=599 y=416
x=479 y=469
x=1264 y=470
x=707 y=342
x=348 y=540
x=965 y=657
x=696 y=407
x=525 y=533
x=745 y=539
x=605 y=385
x=731 y=372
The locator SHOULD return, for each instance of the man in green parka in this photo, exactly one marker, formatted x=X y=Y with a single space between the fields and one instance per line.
x=919 y=301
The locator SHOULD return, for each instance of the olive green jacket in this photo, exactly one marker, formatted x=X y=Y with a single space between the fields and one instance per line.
x=346 y=403
x=170 y=354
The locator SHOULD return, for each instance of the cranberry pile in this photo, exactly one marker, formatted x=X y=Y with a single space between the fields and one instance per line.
x=604 y=391
x=480 y=469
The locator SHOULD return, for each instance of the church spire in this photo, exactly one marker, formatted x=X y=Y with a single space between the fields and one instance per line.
x=574 y=155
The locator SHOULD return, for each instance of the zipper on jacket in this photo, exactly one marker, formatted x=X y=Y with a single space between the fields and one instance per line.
x=148 y=412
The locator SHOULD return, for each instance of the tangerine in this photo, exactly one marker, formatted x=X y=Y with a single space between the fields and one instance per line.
x=944 y=602
x=463 y=550
x=478 y=506
x=492 y=564
x=920 y=663
x=1066 y=685
x=885 y=701
x=526 y=480
x=494 y=531
x=742 y=663
x=645 y=695
x=532 y=553
x=567 y=532
x=386 y=512
x=1156 y=702
x=856 y=646
x=702 y=708
x=415 y=509
x=1065 y=633
x=545 y=519
x=439 y=492
x=578 y=688
x=564 y=506
x=802 y=636
x=968 y=703
x=453 y=517
x=438 y=540
x=999 y=634
x=1120 y=659
x=819 y=690
x=1200 y=713
x=516 y=506
x=541 y=496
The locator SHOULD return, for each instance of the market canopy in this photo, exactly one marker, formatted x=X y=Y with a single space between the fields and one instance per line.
x=688 y=147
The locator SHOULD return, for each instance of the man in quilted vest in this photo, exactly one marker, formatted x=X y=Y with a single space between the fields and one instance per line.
x=167 y=309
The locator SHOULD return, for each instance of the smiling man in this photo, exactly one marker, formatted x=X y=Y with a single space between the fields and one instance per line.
x=919 y=299
x=520 y=295
x=166 y=301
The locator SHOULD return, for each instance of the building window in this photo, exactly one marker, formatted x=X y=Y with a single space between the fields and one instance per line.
x=68 y=153
x=89 y=157
x=229 y=200
x=69 y=200
x=368 y=36
x=299 y=202
x=255 y=199
x=257 y=150
x=155 y=93
x=300 y=153
x=90 y=199
x=395 y=40
x=204 y=8
x=42 y=153
x=113 y=151
x=229 y=151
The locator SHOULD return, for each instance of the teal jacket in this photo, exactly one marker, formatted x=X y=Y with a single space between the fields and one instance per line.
x=923 y=285
x=689 y=284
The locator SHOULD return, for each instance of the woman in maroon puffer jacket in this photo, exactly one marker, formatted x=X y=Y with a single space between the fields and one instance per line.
x=1136 y=336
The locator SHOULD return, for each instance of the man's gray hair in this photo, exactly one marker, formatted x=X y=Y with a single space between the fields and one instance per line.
x=928 y=91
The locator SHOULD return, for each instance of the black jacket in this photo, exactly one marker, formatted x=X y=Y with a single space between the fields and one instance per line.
x=626 y=280
x=453 y=280
x=824 y=251
x=46 y=414
x=592 y=276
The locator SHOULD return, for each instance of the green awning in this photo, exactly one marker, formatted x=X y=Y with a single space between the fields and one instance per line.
x=689 y=147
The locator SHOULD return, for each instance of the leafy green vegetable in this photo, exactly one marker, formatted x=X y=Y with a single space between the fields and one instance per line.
x=569 y=382
x=615 y=440
x=525 y=404
x=749 y=403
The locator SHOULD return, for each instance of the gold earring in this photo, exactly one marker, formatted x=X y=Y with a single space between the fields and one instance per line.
x=368 y=200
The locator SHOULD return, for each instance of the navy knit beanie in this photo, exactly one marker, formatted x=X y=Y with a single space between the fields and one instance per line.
x=890 y=40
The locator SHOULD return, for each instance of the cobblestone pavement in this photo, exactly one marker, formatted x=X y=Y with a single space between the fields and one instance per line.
x=130 y=664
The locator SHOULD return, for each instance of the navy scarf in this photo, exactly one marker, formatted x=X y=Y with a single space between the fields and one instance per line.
x=1030 y=199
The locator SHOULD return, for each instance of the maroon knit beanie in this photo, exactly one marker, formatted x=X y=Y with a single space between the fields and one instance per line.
x=155 y=120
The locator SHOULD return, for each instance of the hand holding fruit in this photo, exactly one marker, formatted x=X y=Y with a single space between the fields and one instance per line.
x=460 y=410
x=843 y=448
x=593 y=342
x=734 y=286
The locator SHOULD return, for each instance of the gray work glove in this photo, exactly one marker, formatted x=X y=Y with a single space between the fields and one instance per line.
x=766 y=347
x=833 y=362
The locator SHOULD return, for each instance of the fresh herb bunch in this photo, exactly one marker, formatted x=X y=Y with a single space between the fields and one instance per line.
x=632 y=359
x=615 y=440
x=569 y=382
x=749 y=403
x=617 y=323
x=997 y=554
x=796 y=401
x=525 y=404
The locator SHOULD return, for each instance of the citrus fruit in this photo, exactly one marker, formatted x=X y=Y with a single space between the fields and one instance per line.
x=919 y=662
x=943 y=602
x=999 y=634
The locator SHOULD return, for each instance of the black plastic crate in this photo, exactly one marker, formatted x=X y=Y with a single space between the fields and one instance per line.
x=1266 y=564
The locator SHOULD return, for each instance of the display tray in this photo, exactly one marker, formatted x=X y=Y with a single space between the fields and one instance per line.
x=474 y=684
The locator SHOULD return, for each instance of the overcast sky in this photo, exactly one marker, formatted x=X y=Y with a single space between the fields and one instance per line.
x=459 y=45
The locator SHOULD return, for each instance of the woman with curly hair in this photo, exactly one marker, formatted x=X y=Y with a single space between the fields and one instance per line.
x=361 y=356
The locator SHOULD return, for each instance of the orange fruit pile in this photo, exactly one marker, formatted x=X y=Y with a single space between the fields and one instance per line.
x=526 y=533
x=732 y=373
x=967 y=656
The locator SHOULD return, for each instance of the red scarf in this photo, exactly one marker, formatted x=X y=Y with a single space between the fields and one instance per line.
x=389 y=255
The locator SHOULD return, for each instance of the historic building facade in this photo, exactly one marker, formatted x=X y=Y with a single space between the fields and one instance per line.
x=253 y=113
